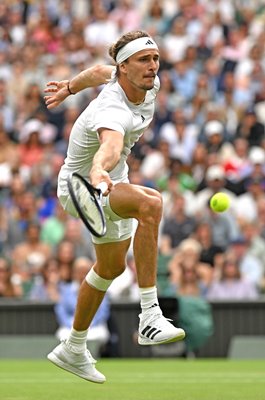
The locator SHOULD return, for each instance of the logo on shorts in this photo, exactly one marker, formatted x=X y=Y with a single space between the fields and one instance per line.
x=143 y=118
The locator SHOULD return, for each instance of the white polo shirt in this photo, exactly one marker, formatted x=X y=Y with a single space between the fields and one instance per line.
x=111 y=110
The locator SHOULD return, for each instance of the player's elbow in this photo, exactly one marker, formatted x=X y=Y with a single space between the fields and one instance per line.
x=100 y=73
x=97 y=70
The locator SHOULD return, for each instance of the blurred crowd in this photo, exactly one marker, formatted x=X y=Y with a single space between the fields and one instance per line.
x=207 y=136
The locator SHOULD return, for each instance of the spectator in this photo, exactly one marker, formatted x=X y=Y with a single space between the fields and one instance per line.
x=155 y=21
x=9 y=287
x=246 y=163
x=53 y=228
x=176 y=41
x=261 y=214
x=177 y=183
x=246 y=203
x=189 y=281
x=181 y=137
x=256 y=159
x=231 y=285
x=6 y=111
x=45 y=282
x=17 y=86
x=237 y=165
x=4 y=231
x=32 y=100
x=256 y=242
x=61 y=145
x=215 y=181
x=170 y=97
x=224 y=226
x=163 y=113
x=177 y=226
x=251 y=69
x=9 y=157
x=215 y=138
x=250 y=128
x=156 y=162
x=30 y=255
x=250 y=266
x=31 y=245
x=209 y=251
x=23 y=208
x=100 y=32
x=188 y=275
x=199 y=163
x=184 y=79
x=14 y=226
x=76 y=233
x=65 y=256
x=126 y=16
x=31 y=149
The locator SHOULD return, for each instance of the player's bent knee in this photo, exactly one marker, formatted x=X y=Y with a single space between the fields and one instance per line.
x=94 y=280
x=151 y=209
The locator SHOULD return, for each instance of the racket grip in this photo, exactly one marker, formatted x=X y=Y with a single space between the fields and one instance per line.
x=102 y=186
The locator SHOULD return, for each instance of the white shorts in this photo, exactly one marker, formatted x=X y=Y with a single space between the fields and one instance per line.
x=118 y=229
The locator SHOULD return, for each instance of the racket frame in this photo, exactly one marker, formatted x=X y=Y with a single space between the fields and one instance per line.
x=97 y=194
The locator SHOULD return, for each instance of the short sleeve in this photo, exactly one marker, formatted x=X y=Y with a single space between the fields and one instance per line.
x=113 y=116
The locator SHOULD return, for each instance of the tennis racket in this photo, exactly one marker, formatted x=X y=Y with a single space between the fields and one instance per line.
x=87 y=201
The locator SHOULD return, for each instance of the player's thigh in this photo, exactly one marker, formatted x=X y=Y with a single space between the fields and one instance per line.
x=111 y=258
x=129 y=201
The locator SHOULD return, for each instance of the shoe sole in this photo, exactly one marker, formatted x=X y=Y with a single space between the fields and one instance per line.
x=147 y=342
x=55 y=360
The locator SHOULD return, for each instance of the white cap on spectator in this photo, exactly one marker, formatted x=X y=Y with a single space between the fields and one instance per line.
x=256 y=155
x=190 y=244
x=215 y=172
x=213 y=127
x=30 y=126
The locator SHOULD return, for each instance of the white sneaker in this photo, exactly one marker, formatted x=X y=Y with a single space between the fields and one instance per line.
x=81 y=364
x=154 y=328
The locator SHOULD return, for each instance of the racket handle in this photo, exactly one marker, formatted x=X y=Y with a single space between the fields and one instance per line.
x=102 y=186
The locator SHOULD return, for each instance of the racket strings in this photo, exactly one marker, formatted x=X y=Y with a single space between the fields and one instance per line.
x=88 y=205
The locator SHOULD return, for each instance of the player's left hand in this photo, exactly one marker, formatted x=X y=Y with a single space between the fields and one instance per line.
x=58 y=92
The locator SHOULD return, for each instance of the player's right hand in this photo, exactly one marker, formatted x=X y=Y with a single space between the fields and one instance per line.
x=97 y=176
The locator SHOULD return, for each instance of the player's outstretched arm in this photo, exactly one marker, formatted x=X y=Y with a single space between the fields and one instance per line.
x=58 y=91
x=107 y=157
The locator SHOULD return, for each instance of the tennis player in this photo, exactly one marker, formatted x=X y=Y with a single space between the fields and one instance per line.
x=100 y=142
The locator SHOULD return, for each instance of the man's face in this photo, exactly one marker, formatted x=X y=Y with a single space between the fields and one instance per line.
x=141 y=69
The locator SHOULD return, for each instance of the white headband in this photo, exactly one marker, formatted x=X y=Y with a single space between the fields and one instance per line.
x=134 y=46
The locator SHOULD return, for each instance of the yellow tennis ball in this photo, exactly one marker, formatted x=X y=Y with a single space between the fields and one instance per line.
x=219 y=202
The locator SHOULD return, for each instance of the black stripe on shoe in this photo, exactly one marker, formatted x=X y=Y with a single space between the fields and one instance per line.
x=157 y=331
x=150 y=332
x=146 y=329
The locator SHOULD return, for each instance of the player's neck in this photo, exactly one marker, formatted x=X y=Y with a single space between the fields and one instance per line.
x=133 y=94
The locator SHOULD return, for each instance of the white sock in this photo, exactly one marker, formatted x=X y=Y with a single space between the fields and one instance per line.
x=77 y=340
x=148 y=297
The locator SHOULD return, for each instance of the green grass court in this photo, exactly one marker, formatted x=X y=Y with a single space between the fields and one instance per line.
x=141 y=379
